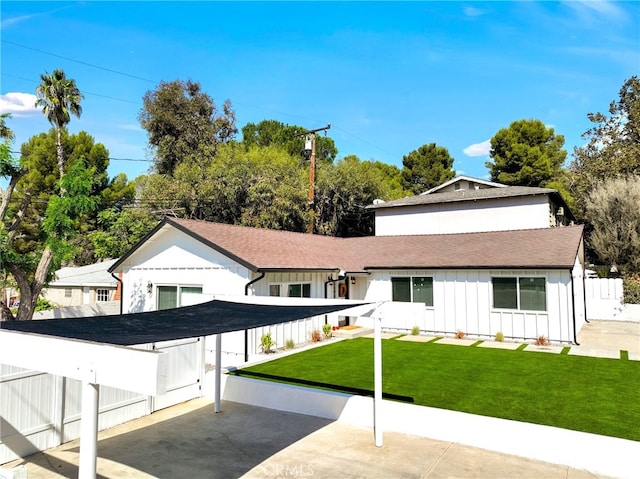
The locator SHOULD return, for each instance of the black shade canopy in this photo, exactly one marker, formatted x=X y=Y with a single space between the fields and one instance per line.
x=203 y=319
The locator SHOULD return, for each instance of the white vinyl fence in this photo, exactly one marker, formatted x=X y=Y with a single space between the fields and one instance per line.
x=39 y=410
x=604 y=298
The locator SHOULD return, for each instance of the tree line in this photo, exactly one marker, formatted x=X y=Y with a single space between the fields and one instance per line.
x=60 y=207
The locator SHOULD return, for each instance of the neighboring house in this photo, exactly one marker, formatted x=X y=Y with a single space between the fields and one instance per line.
x=466 y=204
x=75 y=286
x=524 y=283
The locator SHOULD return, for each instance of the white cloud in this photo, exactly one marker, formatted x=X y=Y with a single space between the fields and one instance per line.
x=18 y=104
x=478 y=149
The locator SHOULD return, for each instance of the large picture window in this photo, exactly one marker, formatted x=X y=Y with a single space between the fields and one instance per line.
x=524 y=293
x=414 y=289
x=174 y=296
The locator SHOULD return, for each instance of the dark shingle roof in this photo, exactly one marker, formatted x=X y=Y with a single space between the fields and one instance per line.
x=466 y=195
x=268 y=250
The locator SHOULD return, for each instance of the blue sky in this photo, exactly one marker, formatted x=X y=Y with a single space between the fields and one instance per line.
x=389 y=77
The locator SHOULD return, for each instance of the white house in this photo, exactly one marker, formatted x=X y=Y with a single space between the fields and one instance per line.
x=523 y=282
x=466 y=204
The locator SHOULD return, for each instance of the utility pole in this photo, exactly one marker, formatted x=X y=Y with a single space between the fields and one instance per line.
x=309 y=153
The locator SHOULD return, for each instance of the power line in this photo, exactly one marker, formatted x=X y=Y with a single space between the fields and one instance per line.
x=156 y=82
x=109 y=158
x=80 y=62
x=83 y=92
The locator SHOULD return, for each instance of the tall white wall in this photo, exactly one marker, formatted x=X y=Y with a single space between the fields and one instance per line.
x=503 y=214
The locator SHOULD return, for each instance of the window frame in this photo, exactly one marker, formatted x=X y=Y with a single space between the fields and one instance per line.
x=285 y=287
x=178 y=291
x=412 y=288
x=102 y=295
x=518 y=292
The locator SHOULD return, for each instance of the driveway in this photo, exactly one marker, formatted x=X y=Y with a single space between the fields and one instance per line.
x=616 y=335
x=190 y=440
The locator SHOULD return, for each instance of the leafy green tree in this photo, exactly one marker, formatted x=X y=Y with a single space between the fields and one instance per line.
x=31 y=268
x=120 y=230
x=182 y=121
x=613 y=209
x=59 y=98
x=343 y=191
x=426 y=167
x=261 y=186
x=613 y=148
x=527 y=153
x=40 y=180
x=289 y=137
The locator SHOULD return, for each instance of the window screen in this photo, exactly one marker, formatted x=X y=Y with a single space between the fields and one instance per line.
x=401 y=289
x=423 y=290
x=505 y=293
x=167 y=297
x=533 y=295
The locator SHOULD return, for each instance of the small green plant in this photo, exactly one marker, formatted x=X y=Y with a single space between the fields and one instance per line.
x=415 y=330
x=499 y=336
x=460 y=334
x=326 y=329
x=44 y=305
x=266 y=343
x=289 y=344
x=316 y=336
x=542 y=341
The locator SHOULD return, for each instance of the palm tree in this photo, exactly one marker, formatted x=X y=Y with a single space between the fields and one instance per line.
x=5 y=131
x=59 y=98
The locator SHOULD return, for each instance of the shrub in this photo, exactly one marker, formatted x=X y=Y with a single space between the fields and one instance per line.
x=266 y=342
x=631 y=289
x=499 y=336
x=542 y=341
x=460 y=334
x=289 y=344
x=415 y=330
x=326 y=329
x=315 y=336
x=43 y=305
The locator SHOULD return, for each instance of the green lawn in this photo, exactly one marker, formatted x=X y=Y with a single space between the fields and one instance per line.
x=596 y=395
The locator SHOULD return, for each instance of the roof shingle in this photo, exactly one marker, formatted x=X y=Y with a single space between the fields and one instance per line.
x=264 y=250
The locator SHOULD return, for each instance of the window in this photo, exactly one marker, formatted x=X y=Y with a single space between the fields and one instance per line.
x=416 y=289
x=524 y=293
x=67 y=292
x=274 y=290
x=291 y=290
x=174 y=296
x=102 y=295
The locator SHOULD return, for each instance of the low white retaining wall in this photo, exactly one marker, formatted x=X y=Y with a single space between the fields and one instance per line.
x=599 y=454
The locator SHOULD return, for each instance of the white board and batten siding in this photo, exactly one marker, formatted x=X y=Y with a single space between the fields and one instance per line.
x=524 y=212
x=462 y=301
x=175 y=258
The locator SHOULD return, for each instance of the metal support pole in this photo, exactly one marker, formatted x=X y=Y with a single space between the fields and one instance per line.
x=218 y=371
x=377 y=379
x=89 y=430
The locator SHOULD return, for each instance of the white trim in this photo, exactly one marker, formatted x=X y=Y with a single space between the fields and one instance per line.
x=463 y=178
x=126 y=368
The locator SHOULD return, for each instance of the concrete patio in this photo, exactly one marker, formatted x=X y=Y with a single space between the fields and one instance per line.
x=190 y=440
